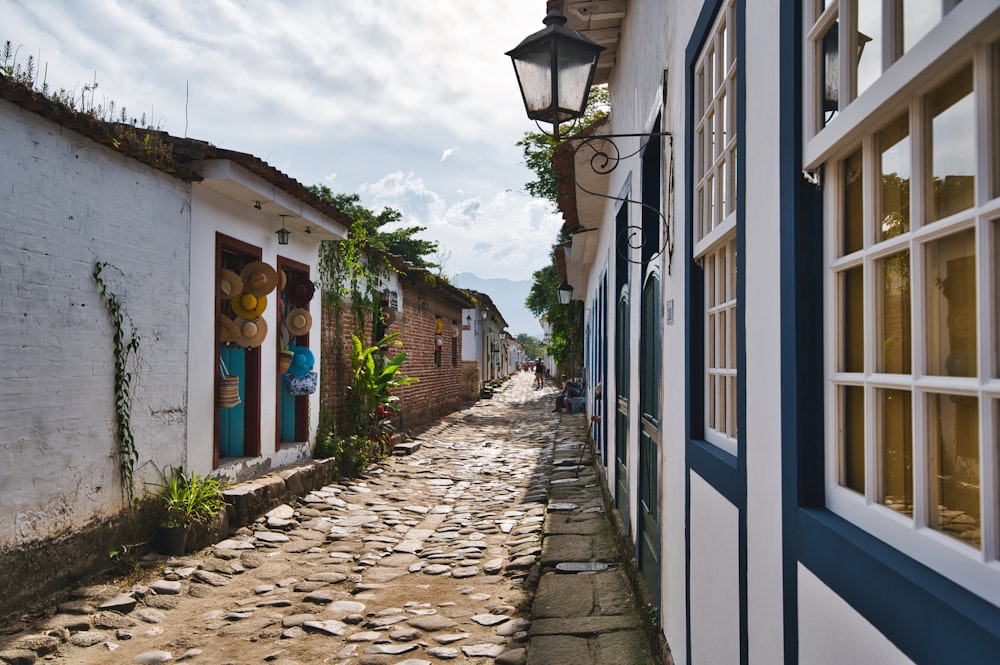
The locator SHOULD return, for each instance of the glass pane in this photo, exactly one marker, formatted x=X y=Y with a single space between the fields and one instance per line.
x=995 y=284
x=953 y=432
x=894 y=271
x=852 y=299
x=919 y=16
x=829 y=55
x=854 y=210
x=951 y=305
x=894 y=141
x=869 y=45
x=953 y=146
x=852 y=463
x=896 y=409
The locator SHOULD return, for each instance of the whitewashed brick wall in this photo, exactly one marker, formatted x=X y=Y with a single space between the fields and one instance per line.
x=65 y=204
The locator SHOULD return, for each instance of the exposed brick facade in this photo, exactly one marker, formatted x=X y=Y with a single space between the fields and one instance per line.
x=442 y=383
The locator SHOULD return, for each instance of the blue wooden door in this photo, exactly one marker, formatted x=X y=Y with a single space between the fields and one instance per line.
x=232 y=422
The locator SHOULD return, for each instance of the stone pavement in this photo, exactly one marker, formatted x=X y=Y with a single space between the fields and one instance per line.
x=461 y=552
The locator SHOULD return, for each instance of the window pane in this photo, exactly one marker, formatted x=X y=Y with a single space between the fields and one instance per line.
x=852 y=299
x=953 y=430
x=853 y=222
x=897 y=450
x=894 y=141
x=951 y=305
x=919 y=16
x=852 y=463
x=830 y=76
x=996 y=291
x=953 y=146
x=894 y=271
x=869 y=46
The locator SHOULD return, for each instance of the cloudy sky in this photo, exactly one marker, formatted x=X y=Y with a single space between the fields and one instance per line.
x=411 y=105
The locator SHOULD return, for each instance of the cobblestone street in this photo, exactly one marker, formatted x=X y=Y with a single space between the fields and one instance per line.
x=426 y=559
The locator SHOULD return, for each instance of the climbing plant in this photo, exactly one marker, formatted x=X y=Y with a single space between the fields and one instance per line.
x=125 y=341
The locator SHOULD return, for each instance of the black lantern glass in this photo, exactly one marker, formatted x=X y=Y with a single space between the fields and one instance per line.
x=564 y=292
x=555 y=69
x=283 y=233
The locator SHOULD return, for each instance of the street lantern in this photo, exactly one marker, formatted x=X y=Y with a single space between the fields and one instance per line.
x=564 y=292
x=283 y=233
x=555 y=69
x=483 y=313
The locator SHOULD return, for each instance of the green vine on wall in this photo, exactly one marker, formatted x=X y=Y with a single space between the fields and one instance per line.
x=350 y=277
x=126 y=346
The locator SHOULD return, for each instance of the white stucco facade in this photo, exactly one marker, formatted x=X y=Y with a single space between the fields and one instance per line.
x=66 y=204
x=751 y=558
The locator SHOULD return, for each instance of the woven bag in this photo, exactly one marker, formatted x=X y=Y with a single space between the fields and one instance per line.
x=229 y=388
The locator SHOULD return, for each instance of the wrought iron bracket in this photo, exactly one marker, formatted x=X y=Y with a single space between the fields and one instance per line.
x=604 y=158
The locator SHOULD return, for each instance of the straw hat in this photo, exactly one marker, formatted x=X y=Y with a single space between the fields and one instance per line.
x=249 y=306
x=258 y=278
x=228 y=332
x=230 y=284
x=298 y=321
x=299 y=290
x=252 y=333
x=303 y=361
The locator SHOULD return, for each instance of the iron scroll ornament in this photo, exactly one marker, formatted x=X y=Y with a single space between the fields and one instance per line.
x=605 y=158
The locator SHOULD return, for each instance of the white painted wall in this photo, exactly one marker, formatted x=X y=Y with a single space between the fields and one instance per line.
x=65 y=204
x=763 y=340
x=715 y=580
x=214 y=212
x=831 y=632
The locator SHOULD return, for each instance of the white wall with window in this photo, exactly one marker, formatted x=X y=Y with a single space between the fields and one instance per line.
x=714 y=199
x=902 y=119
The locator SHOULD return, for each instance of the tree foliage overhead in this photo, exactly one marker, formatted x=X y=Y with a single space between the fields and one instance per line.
x=402 y=241
x=537 y=147
x=565 y=321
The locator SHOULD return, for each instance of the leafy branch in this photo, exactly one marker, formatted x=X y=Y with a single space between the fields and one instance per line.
x=126 y=345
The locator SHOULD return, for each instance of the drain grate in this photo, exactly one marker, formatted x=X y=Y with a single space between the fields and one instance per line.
x=581 y=567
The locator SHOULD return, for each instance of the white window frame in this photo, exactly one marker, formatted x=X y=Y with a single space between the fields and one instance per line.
x=714 y=224
x=966 y=34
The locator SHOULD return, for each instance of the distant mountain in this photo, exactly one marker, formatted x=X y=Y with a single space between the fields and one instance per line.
x=509 y=297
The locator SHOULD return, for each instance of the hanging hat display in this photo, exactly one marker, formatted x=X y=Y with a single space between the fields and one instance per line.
x=282 y=280
x=258 y=278
x=299 y=290
x=389 y=316
x=252 y=333
x=249 y=306
x=228 y=332
x=302 y=362
x=298 y=321
x=230 y=284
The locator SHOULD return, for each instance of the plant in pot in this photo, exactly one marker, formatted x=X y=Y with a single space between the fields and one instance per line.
x=188 y=500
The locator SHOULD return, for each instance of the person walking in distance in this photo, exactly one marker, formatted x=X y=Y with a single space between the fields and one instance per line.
x=539 y=373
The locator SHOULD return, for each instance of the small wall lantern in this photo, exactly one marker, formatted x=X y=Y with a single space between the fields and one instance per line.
x=564 y=293
x=283 y=233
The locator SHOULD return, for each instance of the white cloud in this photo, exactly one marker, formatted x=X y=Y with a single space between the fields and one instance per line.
x=330 y=92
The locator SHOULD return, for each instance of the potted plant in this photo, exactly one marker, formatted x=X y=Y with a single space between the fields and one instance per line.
x=188 y=500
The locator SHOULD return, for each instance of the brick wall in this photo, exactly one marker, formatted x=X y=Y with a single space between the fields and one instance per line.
x=66 y=204
x=440 y=389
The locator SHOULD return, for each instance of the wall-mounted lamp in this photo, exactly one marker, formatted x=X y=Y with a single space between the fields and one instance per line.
x=468 y=320
x=555 y=69
x=483 y=313
x=283 y=233
x=564 y=293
